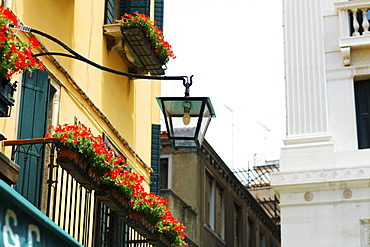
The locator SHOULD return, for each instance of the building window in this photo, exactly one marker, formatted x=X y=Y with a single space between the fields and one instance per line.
x=208 y=199
x=112 y=11
x=251 y=233
x=262 y=239
x=214 y=208
x=362 y=100
x=116 y=8
x=156 y=159
x=166 y=172
x=219 y=211
x=237 y=226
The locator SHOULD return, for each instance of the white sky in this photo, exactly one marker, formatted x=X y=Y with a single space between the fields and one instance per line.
x=234 y=49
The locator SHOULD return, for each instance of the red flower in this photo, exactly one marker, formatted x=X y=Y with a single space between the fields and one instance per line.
x=10 y=16
x=9 y=73
x=64 y=137
x=41 y=65
x=34 y=42
x=177 y=228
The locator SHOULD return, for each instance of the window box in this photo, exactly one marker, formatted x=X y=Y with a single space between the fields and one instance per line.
x=146 y=229
x=72 y=162
x=114 y=200
x=134 y=48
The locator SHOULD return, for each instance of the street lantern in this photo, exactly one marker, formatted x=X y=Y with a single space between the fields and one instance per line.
x=7 y=90
x=187 y=118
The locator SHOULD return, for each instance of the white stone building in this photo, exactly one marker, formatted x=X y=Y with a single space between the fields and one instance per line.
x=324 y=178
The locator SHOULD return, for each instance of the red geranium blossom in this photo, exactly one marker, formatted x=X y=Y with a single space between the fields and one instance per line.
x=16 y=55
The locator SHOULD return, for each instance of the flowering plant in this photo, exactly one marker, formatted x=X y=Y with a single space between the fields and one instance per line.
x=15 y=55
x=155 y=36
x=94 y=152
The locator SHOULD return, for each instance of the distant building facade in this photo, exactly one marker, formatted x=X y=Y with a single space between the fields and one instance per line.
x=214 y=205
x=258 y=182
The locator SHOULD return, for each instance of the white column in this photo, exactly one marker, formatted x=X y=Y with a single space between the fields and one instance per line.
x=305 y=71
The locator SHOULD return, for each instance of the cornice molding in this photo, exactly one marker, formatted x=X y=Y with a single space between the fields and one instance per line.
x=317 y=177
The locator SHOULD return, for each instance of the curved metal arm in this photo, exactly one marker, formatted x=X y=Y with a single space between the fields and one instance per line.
x=77 y=56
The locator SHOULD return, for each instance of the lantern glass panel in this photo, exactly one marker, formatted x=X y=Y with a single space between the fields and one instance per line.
x=187 y=119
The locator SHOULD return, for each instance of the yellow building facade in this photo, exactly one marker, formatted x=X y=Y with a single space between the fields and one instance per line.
x=122 y=109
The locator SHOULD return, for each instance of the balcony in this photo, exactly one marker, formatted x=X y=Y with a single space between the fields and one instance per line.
x=354 y=26
x=73 y=199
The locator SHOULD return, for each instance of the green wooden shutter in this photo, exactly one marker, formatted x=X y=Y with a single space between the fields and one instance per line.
x=143 y=6
x=32 y=124
x=155 y=158
x=159 y=13
x=109 y=12
x=130 y=6
x=362 y=100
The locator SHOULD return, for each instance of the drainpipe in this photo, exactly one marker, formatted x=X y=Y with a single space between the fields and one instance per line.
x=55 y=112
x=8 y=4
x=55 y=103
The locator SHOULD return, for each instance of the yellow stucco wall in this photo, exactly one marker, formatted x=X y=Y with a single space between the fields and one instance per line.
x=121 y=108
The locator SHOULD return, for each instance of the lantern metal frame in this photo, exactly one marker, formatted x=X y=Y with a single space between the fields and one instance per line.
x=198 y=136
x=174 y=107
x=7 y=90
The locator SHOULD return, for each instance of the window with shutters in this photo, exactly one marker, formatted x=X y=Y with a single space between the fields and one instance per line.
x=208 y=199
x=156 y=159
x=251 y=232
x=165 y=172
x=237 y=225
x=262 y=239
x=362 y=101
x=219 y=211
x=214 y=206
x=116 y=8
x=32 y=123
